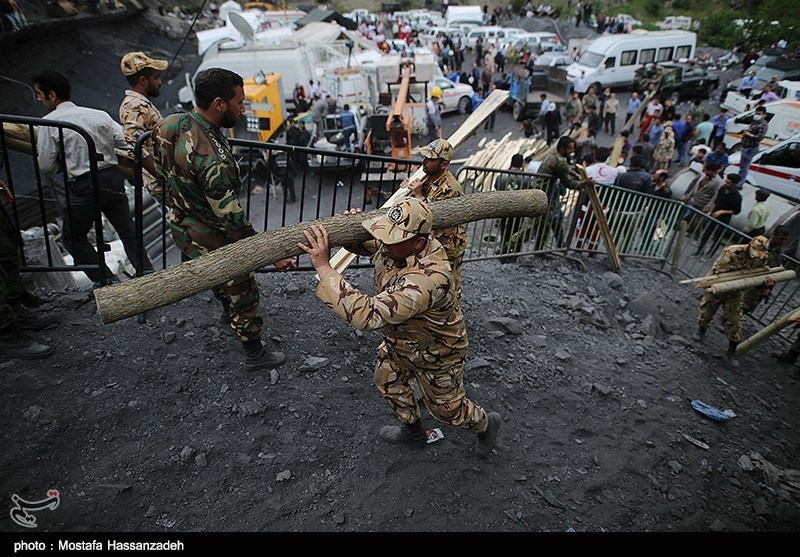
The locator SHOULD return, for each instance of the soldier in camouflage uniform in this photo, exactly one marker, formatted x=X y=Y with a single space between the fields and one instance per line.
x=733 y=258
x=195 y=161
x=439 y=183
x=416 y=309
x=557 y=164
x=138 y=114
x=754 y=296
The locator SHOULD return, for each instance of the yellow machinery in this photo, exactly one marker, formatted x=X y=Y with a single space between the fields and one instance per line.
x=265 y=109
x=398 y=124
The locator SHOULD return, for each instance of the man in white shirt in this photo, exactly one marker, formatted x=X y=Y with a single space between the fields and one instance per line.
x=53 y=91
x=581 y=85
x=600 y=170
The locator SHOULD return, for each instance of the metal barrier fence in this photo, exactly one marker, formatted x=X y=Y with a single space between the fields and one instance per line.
x=25 y=156
x=284 y=185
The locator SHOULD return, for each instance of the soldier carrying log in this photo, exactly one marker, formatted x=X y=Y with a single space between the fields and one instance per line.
x=417 y=311
x=733 y=258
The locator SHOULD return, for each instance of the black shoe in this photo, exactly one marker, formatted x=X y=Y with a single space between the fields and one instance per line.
x=18 y=346
x=263 y=360
x=488 y=438
x=413 y=435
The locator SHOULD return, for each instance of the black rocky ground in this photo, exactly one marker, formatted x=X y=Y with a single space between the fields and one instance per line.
x=144 y=426
x=158 y=426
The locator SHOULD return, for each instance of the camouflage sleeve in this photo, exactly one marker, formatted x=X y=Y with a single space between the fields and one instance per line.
x=453 y=239
x=221 y=184
x=132 y=122
x=404 y=302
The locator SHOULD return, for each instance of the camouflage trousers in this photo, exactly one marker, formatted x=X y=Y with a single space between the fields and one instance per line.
x=442 y=391
x=241 y=293
x=10 y=281
x=731 y=313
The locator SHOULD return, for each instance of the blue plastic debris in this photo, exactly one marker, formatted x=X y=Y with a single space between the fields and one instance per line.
x=711 y=412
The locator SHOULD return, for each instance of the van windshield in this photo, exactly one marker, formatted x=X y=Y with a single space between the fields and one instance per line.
x=590 y=59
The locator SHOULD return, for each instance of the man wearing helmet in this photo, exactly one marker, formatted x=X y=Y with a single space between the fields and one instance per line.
x=433 y=114
x=734 y=258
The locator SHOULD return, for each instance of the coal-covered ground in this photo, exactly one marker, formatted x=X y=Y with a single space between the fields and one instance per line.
x=158 y=427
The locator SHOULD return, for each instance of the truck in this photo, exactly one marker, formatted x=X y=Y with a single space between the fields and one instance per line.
x=526 y=88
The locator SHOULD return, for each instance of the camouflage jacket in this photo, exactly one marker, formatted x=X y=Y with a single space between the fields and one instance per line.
x=556 y=165
x=736 y=258
x=202 y=177
x=415 y=307
x=138 y=114
x=454 y=238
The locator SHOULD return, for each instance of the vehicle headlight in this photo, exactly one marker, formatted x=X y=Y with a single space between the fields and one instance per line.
x=252 y=124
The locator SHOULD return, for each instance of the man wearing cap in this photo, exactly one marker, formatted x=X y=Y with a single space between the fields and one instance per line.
x=439 y=183
x=195 y=161
x=733 y=258
x=417 y=311
x=54 y=91
x=138 y=114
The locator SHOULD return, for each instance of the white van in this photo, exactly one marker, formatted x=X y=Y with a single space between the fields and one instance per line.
x=491 y=35
x=612 y=60
x=783 y=118
x=776 y=169
x=672 y=22
x=533 y=41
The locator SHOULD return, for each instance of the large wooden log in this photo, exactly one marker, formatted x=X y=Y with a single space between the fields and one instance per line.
x=708 y=280
x=171 y=285
x=750 y=282
x=762 y=335
x=343 y=258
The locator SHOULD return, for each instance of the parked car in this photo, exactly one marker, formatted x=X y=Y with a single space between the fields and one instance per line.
x=491 y=34
x=785 y=69
x=628 y=20
x=678 y=81
x=673 y=22
x=554 y=59
x=533 y=41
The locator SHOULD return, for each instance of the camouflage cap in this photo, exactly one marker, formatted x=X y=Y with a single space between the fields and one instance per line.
x=759 y=247
x=437 y=149
x=403 y=221
x=134 y=62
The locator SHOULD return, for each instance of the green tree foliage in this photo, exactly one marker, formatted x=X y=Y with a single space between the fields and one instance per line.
x=759 y=30
x=719 y=29
x=653 y=7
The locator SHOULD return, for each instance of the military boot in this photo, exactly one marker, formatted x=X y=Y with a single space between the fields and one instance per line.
x=259 y=358
x=407 y=434
x=788 y=357
x=15 y=344
x=730 y=355
x=700 y=335
x=488 y=438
